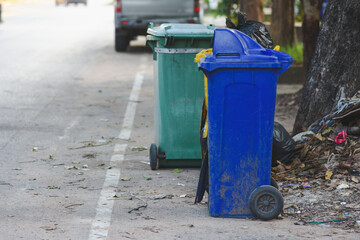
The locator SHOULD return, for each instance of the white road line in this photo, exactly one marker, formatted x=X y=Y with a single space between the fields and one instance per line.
x=118 y=157
x=68 y=128
x=131 y=107
x=119 y=148
x=102 y=221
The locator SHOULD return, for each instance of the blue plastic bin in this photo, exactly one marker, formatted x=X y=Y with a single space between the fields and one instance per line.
x=242 y=78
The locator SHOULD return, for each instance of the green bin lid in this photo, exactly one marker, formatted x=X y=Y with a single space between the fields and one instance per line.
x=181 y=30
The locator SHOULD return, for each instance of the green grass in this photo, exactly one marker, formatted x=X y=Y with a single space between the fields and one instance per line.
x=296 y=51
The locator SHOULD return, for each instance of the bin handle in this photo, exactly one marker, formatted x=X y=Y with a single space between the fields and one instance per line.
x=152 y=45
x=231 y=43
x=237 y=44
x=228 y=55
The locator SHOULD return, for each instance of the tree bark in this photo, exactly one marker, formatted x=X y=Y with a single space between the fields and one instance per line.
x=253 y=9
x=310 y=29
x=335 y=65
x=282 y=22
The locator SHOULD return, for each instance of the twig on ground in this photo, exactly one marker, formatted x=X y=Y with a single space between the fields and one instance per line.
x=91 y=144
x=139 y=207
x=73 y=205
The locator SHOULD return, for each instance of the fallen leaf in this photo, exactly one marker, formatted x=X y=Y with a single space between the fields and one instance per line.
x=139 y=149
x=328 y=130
x=328 y=174
x=48 y=228
x=58 y=164
x=125 y=178
x=89 y=155
x=291 y=103
x=71 y=167
x=318 y=136
x=354 y=179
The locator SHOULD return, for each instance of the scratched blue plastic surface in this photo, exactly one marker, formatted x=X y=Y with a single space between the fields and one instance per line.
x=242 y=78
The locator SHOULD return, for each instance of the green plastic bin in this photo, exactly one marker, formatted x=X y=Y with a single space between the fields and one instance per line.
x=178 y=93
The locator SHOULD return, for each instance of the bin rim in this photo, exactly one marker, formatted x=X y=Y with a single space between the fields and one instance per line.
x=181 y=30
x=234 y=49
x=239 y=65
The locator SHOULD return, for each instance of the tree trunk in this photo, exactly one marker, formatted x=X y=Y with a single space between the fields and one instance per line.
x=310 y=29
x=282 y=22
x=253 y=9
x=336 y=63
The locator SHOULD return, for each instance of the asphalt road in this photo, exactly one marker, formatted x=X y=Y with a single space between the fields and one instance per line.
x=64 y=91
x=75 y=120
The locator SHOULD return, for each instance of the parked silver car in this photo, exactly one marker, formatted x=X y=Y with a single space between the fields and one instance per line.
x=132 y=17
x=67 y=2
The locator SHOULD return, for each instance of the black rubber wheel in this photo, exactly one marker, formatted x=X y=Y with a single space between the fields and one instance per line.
x=121 y=41
x=266 y=202
x=274 y=183
x=154 y=160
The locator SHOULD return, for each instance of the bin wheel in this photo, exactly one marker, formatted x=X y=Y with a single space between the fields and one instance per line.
x=274 y=183
x=266 y=202
x=154 y=160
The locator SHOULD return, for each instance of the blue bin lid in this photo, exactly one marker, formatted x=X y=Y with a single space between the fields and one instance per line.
x=234 y=49
x=181 y=30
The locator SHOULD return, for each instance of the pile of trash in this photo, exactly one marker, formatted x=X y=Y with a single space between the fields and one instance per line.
x=321 y=181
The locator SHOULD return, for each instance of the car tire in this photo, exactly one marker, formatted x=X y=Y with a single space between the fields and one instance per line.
x=121 y=41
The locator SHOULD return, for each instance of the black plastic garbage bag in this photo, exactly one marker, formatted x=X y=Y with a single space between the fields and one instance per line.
x=203 y=184
x=255 y=30
x=283 y=145
x=346 y=111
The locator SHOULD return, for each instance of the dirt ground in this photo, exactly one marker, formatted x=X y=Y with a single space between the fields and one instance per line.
x=312 y=197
